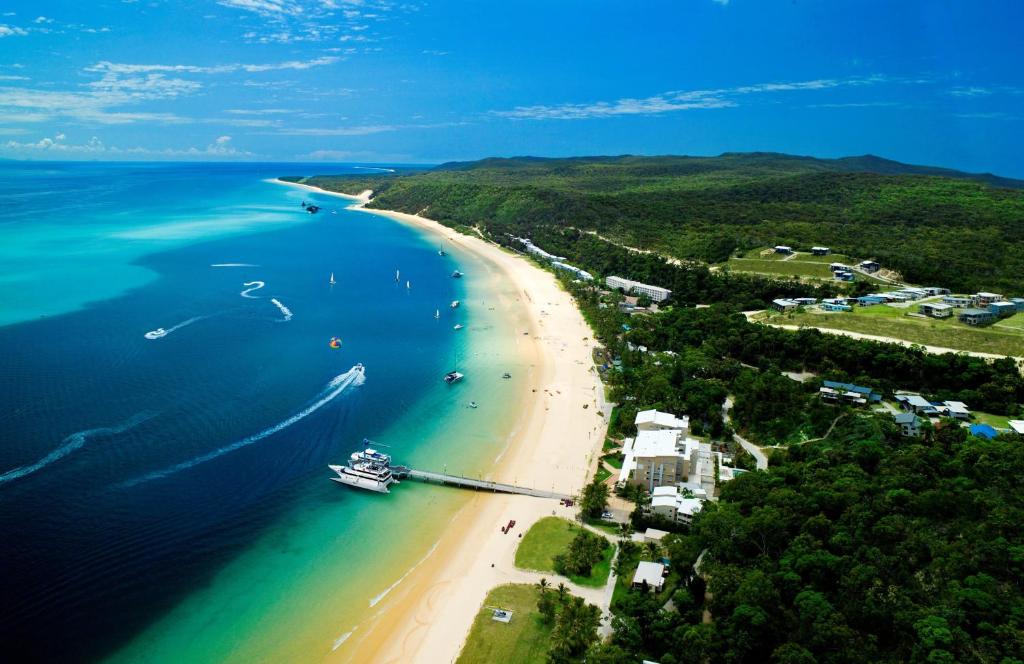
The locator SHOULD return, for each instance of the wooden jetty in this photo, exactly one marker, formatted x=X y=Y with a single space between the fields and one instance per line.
x=404 y=472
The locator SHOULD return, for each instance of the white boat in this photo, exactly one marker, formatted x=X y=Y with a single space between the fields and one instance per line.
x=458 y=326
x=452 y=377
x=365 y=474
x=398 y=276
x=437 y=313
x=472 y=404
x=408 y=284
x=457 y=275
x=156 y=334
x=332 y=282
x=455 y=304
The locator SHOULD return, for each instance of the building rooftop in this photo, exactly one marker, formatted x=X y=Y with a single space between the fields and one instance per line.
x=905 y=418
x=983 y=431
x=976 y=312
x=915 y=400
x=658 y=418
x=650 y=572
x=655 y=534
x=1017 y=426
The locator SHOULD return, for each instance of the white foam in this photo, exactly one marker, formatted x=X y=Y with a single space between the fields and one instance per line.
x=373 y=168
x=341 y=639
x=284 y=310
x=378 y=598
x=352 y=378
x=255 y=285
x=160 y=332
x=232 y=265
x=72 y=443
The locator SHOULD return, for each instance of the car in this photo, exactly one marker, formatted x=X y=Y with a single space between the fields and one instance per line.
x=606 y=515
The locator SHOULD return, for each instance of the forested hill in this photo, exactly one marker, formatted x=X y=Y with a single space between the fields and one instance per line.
x=935 y=226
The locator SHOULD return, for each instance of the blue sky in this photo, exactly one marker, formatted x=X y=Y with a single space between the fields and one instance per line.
x=927 y=82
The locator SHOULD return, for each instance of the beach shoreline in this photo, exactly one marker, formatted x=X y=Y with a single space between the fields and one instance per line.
x=427 y=616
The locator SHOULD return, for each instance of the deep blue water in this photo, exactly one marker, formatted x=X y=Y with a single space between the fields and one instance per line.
x=96 y=542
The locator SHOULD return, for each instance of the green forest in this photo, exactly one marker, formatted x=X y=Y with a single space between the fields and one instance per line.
x=934 y=226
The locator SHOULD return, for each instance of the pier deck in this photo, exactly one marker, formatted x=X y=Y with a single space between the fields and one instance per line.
x=470 y=483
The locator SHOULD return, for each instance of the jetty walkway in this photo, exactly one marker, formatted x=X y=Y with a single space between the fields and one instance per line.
x=403 y=472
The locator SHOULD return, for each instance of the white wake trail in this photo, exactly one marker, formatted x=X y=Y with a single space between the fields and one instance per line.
x=71 y=443
x=160 y=333
x=352 y=378
x=253 y=285
x=232 y=265
x=284 y=310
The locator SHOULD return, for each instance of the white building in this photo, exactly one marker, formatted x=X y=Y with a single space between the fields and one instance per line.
x=582 y=274
x=1017 y=426
x=654 y=420
x=656 y=293
x=537 y=251
x=653 y=574
x=675 y=505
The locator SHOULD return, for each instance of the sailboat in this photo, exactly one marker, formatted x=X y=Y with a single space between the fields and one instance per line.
x=408 y=284
x=437 y=313
x=453 y=376
x=332 y=282
x=398 y=276
x=442 y=252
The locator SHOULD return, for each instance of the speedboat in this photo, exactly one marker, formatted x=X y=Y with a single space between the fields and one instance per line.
x=455 y=304
x=458 y=326
x=452 y=377
x=456 y=274
x=156 y=334
x=472 y=404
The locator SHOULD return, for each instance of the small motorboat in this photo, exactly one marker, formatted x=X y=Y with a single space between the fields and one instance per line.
x=156 y=334
x=472 y=404
x=457 y=275
x=458 y=326
x=452 y=377
x=455 y=304
x=312 y=209
x=506 y=375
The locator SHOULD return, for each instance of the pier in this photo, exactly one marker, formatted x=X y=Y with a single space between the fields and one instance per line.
x=403 y=472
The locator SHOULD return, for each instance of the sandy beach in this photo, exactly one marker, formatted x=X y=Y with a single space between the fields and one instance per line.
x=427 y=616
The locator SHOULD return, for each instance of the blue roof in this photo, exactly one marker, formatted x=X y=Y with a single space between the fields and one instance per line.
x=849 y=387
x=983 y=431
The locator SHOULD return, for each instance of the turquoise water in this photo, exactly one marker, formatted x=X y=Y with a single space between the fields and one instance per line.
x=167 y=499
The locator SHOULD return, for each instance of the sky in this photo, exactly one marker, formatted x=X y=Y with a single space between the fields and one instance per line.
x=405 y=81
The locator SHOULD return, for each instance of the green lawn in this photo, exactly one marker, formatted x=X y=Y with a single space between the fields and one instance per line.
x=602 y=474
x=614 y=460
x=551 y=536
x=525 y=639
x=790 y=268
x=997 y=421
x=888 y=321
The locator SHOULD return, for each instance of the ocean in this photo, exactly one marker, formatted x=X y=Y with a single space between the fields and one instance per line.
x=167 y=499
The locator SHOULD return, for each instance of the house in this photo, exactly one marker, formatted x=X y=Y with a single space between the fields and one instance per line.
x=868 y=300
x=909 y=424
x=783 y=249
x=674 y=505
x=1002 y=309
x=656 y=293
x=914 y=293
x=650 y=576
x=977 y=316
x=784 y=305
x=983 y=431
x=984 y=299
x=935 y=309
x=805 y=301
x=867 y=393
x=869 y=266
x=820 y=251
x=843 y=276
x=839 y=267
x=839 y=396
x=915 y=403
x=1017 y=426
x=654 y=535
x=935 y=290
x=654 y=420
x=835 y=306
x=955 y=409
x=1018 y=302
x=958 y=301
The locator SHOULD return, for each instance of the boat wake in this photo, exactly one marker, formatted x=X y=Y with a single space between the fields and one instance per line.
x=232 y=265
x=160 y=332
x=284 y=310
x=71 y=443
x=354 y=377
x=253 y=285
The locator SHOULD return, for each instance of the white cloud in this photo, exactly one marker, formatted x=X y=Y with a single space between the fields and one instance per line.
x=106 y=66
x=264 y=7
x=259 y=111
x=972 y=91
x=11 y=31
x=94 y=148
x=359 y=130
x=677 y=100
x=42 y=19
x=13 y=78
x=97 y=106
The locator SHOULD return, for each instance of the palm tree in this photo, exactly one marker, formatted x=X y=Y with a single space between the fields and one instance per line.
x=543 y=585
x=562 y=592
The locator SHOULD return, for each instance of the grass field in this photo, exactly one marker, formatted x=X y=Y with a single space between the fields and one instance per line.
x=888 y=321
x=525 y=639
x=997 y=421
x=790 y=268
x=551 y=536
x=614 y=460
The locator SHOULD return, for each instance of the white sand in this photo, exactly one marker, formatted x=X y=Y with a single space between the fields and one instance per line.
x=427 y=617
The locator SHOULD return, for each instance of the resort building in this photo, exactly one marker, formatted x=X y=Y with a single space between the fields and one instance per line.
x=848 y=392
x=1002 y=309
x=654 y=420
x=868 y=300
x=958 y=301
x=656 y=293
x=843 y=276
x=783 y=249
x=1017 y=426
x=839 y=267
x=649 y=575
x=805 y=301
x=820 y=251
x=675 y=505
x=915 y=403
x=1018 y=302
x=835 y=306
x=869 y=266
x=977 y=316
x=955 y=409
x=984 y=299
x=582 y=274
x=935 y=290
x=935 y=309
x=537 y=251
x=784 y=305
x=909 y=424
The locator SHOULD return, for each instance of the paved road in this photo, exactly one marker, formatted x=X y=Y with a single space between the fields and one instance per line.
x=759 y=456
